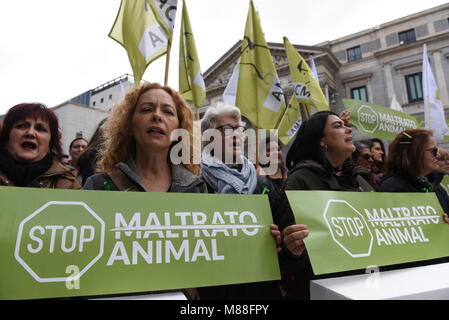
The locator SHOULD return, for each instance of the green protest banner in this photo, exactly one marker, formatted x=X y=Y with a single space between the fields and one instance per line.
x=357 y=230
x=376 y=121
x=60 y=243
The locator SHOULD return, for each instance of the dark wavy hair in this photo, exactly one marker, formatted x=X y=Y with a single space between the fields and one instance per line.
x=306 y=145
x=37 y=111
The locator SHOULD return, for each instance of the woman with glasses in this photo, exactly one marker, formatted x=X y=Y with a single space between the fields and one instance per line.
x=363 y=161
x=412 y=156
x=412 y=161
x=226 y=170
x=31 y=150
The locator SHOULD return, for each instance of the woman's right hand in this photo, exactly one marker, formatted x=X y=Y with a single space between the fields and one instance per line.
x=346 y=117
x=293 y=237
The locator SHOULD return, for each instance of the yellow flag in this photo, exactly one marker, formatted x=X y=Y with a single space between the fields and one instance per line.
x=138 y=29
x=191 y=82
x=307 y=99
x=165 y=13
x=259 y=93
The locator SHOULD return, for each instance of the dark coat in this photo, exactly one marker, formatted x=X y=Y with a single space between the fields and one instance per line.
x=441 y=193
x=393 y=182
x=58 y=176
x=309 y=175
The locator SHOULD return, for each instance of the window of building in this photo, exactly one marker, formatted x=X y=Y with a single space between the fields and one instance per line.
x=414 y=87
x=407 y=37
x=101 y=100
x=110 y=97
x=354 y=54
x=359 y=93
x=94 y=103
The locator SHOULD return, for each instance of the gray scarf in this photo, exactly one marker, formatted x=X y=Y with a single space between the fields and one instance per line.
x=225 y=180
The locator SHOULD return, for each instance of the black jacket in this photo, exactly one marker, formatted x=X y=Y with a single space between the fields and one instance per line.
x=436 y=178
x=393 y=182
x=310 y=175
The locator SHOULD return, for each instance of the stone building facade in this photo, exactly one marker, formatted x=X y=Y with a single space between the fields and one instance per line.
x=371 y=65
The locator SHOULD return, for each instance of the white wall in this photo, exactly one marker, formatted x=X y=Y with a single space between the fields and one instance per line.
x=75 y=118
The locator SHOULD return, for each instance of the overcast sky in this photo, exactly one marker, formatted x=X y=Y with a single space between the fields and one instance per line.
x=53 y=50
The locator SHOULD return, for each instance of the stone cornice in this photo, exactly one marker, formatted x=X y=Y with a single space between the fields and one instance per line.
x=408 y=65
x=234 y=51
x=405 y=47
x=357 y=78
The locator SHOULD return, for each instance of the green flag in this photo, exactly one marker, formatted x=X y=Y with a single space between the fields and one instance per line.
x=259 y=93
x=308 y=98
x=191 y=82
x=138 y=30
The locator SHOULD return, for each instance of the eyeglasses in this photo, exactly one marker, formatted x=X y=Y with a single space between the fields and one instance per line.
x=367 y=156
x=433 y=150
x=229 y=130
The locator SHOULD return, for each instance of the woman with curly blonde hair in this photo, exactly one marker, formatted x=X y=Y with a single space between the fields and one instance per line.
x=137 y=145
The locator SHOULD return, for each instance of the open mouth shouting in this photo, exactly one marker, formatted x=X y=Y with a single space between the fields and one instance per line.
x=29 y=145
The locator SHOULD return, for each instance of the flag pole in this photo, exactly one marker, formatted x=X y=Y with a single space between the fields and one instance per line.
x=167 y=64
x=257 y=149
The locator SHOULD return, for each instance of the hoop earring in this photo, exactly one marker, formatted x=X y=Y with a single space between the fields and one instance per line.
x=324 y=147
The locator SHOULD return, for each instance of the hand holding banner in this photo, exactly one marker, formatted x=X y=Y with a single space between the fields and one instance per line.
x=354 y=230
x=123 y=242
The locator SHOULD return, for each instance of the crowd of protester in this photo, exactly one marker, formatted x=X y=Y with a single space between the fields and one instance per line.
x=130 y=151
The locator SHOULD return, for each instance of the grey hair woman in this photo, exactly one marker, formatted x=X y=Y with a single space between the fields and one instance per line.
x=226 y=170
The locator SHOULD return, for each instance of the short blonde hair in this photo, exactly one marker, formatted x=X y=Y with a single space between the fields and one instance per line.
x=118 y=140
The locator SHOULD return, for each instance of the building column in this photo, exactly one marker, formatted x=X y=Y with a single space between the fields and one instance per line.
x=389 y=83
x=439 y=75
